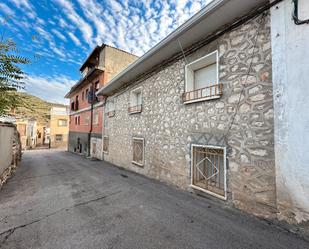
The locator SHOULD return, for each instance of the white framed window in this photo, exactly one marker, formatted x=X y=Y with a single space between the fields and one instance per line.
x=202 y=79
x=135 y=101
x=62 y=122
x=105 y=144
x=110 y=108
x=138 y=151
x=208 y=169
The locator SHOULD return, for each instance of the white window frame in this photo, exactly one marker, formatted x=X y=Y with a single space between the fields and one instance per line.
x=136 y=163
x=225 y=171
x=196 y=65
x=132 y=93
x=110 y=108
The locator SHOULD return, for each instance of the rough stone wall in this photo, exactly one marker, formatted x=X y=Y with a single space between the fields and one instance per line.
x=10 y=150
x=170 y=127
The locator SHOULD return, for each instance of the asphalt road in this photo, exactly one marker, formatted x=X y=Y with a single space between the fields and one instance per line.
x=60 y=200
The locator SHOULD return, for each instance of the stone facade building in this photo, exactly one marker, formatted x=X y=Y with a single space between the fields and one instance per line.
x=197 y=110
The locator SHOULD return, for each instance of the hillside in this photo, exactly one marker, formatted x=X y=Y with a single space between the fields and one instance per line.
x=36 y=108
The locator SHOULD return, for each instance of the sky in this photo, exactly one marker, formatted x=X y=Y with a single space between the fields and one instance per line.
x=58 y=35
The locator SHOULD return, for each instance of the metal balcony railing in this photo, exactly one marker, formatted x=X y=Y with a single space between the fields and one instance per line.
x=206 y=92
x=111 y=114
x=135 y=109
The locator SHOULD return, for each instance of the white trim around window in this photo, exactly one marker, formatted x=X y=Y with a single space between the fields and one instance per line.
x=224 y=167
x=211 y=90
x=142 y=152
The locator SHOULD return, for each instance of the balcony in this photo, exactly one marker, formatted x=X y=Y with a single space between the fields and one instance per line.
x=205 y=93
x=111 y=114
x=135 y=109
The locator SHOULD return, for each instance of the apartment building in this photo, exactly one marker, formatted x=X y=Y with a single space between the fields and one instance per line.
x=197 y=110
x=86 y=109
x=59 y=127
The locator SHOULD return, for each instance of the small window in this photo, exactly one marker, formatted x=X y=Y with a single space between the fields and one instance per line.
x=135 y=101
x=62 y=122
x=96 y=118
x=72 y=106
x=111 y=109
x=76 y=120
x=105 y=144
x=76 y=105
x=208 y=169
x=96 y=86
x=138 y=151
x=83 y=96
x=87 y=92
x=202 y=81
x=59 y=137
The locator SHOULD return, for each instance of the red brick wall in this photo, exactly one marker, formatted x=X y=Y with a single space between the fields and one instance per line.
x=83 y=103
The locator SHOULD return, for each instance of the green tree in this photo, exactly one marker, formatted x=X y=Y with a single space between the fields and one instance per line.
x=11 y=76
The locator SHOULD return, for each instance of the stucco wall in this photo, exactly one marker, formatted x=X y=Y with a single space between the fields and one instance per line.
x=55 y=129
x=6 y=138
x=170 y=127
x=291 y=89
x=10 y=151
x=116 y=60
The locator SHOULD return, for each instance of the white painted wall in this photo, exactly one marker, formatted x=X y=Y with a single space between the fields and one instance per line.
x=290 y=55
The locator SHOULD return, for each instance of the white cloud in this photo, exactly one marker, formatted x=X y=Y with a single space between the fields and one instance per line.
x=6 y=9
x=77 y=20
x=26 y=7
x=74 y=39
x=59 y=35
x=57 y=87
x=123 y=24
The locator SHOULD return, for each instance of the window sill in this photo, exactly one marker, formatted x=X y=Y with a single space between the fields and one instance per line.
x=138 y=164
x=202 y=99
x=135 y=112
x=208 y=192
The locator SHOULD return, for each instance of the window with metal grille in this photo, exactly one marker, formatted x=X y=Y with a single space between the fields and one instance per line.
x=208 y=169
x=110 y=109
x=59 y=137
x=138 y=151
x=105 y=144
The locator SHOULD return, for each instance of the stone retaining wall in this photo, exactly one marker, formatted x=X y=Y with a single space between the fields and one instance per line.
x=10 y=151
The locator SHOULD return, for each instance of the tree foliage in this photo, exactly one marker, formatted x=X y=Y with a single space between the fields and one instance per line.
x=11 y=76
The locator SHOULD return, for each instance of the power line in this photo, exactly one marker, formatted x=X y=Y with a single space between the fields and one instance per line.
x=247 y=76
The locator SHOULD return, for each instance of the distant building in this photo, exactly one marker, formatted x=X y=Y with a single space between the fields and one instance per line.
x=85 y=132
x=59 y=127
x=27 y=129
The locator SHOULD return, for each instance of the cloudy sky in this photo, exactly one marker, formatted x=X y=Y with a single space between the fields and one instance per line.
x=57 y=35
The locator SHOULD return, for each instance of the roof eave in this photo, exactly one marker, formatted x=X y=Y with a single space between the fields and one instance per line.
x=181 y=29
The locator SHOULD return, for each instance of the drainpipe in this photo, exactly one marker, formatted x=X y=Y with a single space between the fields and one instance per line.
x=91 y=120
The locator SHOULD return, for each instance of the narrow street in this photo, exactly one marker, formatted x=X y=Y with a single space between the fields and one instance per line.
x=60 y=200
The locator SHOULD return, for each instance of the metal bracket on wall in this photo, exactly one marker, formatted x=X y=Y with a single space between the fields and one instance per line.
x=295 y=15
